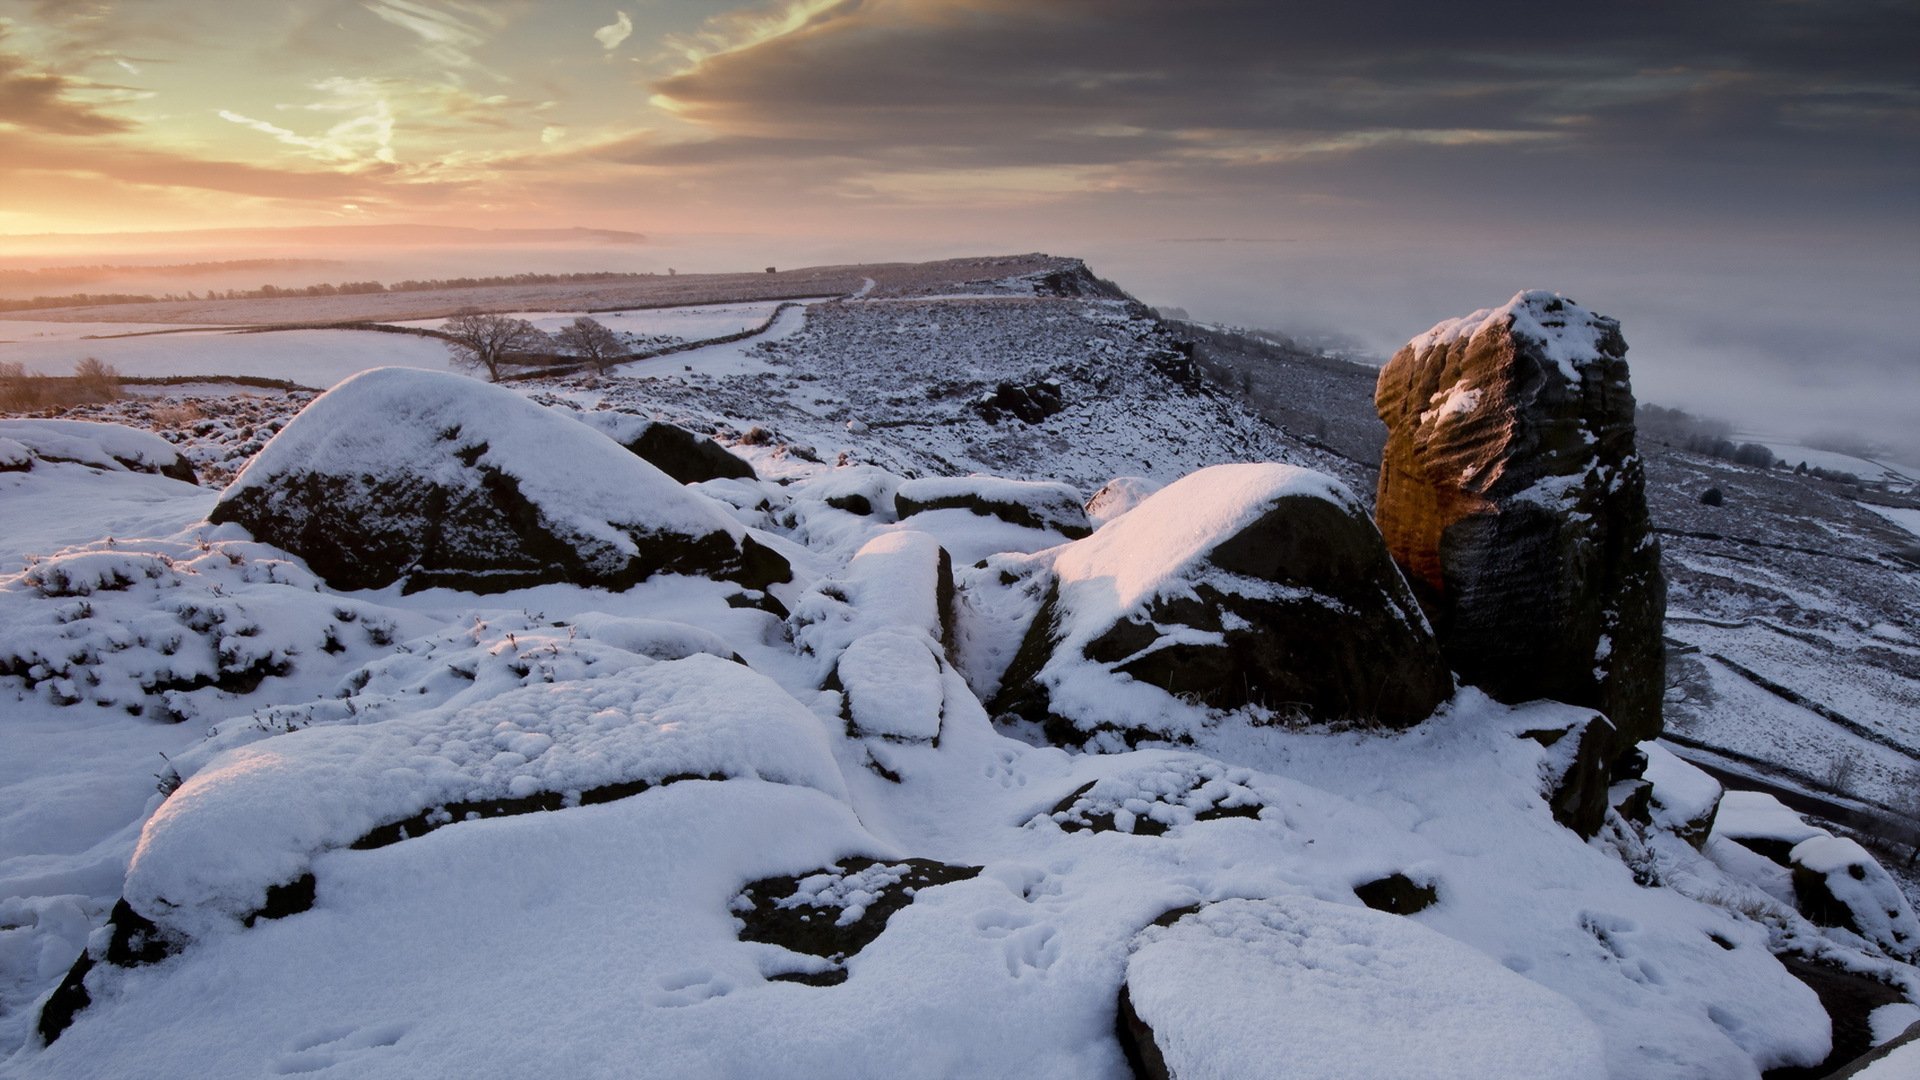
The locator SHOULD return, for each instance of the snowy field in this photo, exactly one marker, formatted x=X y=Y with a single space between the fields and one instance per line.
x=321 y=358
x=317 y=358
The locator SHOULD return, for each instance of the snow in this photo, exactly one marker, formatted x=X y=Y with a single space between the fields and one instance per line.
x=1298 y=987
x=1455 y=401
x=1117 y=496
x=318 y=358
x=101 y=446
x=1902 y=1064
x=256 y=816
x=1753 y=815
x=893 y=686
x=1569 y=334
x=1907 y=519
x=1889 y=1022
x=396 y=419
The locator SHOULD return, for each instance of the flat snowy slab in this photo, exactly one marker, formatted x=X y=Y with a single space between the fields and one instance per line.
x=256 y=816
x=1300 y=988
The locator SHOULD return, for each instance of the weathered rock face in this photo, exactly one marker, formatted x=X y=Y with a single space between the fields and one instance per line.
x=1512 y=496
x=1240 y=585
x=441 y=480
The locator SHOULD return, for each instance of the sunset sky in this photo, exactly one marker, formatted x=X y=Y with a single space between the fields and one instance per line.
x=1761 y=152
x=1250 y=118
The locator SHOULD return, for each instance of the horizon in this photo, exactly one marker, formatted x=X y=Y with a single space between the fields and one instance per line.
x=1735 y=183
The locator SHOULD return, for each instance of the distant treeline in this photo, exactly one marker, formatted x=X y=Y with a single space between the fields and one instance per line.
x=345 y=288
x=1714 y=438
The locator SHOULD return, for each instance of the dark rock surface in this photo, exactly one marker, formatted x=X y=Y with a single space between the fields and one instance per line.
x=1397 y=893
x=442 y=481
x=1274 y=591
x=803 y=912
x=1512 y=494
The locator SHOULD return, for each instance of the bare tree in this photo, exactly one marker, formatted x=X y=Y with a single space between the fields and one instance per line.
x=484 y=342
x=592 y=342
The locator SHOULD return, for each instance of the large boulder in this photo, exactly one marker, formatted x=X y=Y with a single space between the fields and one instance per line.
x=1252 y=585
x=1512 y=496
x=440 y=480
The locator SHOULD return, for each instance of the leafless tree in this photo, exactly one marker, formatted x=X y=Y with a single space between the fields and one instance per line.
x=484 y=342
x=592 y=342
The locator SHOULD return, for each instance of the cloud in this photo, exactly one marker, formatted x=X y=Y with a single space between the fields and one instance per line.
x=1671 y=103
x=611 y=36
x=363 y=136
x=40 y=100
x=450 y=34
x=23 y=153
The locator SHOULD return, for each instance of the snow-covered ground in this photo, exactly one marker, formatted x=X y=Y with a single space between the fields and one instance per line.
x=601 y=925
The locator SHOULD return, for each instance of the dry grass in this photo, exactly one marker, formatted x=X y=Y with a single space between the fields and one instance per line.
x=92 y=382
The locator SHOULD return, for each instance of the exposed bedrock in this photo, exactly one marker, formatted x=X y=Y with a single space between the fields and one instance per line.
x=1512 y=496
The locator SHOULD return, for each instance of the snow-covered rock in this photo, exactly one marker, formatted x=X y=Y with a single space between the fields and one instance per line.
x=1301 y=988
x=1033 y=504
x=1513 y=496
x=1685 y=799
x=439 y=480
x=255 y=817
x=101 y=446
x=681 y=454
x=1258 y=585
x=1839 y=884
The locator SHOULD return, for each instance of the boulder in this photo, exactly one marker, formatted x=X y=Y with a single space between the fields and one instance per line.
x=1027 y=503
x=1297 y=987
x=1838 y=883
x=679 y=453
x=1254 y=585
x=111 y=447
x=1513 y=497
x=433 y=479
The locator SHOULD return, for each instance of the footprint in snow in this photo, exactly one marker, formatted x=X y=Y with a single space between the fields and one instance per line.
x=689 y=988
x=333 y=1046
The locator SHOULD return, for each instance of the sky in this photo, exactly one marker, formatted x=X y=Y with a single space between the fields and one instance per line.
x=1736 y=179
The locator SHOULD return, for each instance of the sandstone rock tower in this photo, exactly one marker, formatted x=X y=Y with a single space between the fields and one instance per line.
x=1513 y=498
